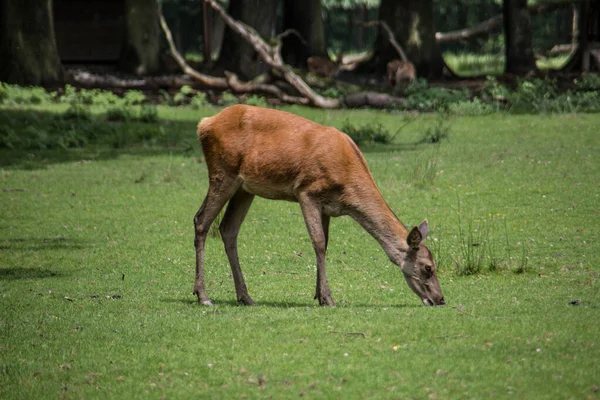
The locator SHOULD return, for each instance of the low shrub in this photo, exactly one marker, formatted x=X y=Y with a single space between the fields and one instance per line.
x=373 y=132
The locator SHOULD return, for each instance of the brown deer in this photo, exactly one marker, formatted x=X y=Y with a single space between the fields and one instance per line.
x=252 y=151
x=400 y=72
x=324 y=66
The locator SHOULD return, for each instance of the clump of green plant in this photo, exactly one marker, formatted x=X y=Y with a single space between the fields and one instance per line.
x=134 y=97
x=439 y=131
x=199 y=100
x=425 y=169
x=78 y=112
x=227 y=99
x=19 y=95
x=183 y=96
x=588 y=81
x=480 y=247
x=536 y=95
x=421 y=97
x=148 y=113
x=373 y=132
x=119 y=114
x=472 y=108
x=256 y=100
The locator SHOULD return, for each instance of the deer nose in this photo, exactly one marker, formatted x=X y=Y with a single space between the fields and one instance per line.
x=442 y=302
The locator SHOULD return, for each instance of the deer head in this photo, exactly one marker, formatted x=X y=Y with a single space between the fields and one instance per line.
x=419 y=268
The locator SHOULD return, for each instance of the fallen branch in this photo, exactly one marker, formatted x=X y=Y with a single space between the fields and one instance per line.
x=484 y=27
x=480 y=29
x=390 y=35
x=249 y=87
x=219 y=83
x=373 y=99
x=272 y=57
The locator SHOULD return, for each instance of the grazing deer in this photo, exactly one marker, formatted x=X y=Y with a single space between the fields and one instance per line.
x=400 y=72
x=324 y=66
x=252 y=151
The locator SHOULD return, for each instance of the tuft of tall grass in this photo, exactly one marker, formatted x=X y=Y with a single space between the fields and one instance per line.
x=480 y=247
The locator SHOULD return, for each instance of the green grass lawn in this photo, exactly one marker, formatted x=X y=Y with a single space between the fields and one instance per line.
x=97 y=268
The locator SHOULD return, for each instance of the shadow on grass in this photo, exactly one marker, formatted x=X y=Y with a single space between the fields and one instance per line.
x=13 y=274
x=285 y=304
x=32 y=139
x=40 y=244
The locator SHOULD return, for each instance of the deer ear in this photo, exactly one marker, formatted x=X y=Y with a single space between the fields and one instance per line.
x=424 y=229
x=414 y=238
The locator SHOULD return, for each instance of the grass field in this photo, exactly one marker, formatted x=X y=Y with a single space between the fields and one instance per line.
x=97 y=265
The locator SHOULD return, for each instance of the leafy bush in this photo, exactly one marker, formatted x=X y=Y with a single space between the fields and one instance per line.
x=439 y=131
x=78 y=112
x=588 y=82
x=199 y=100
x=18 y=95
x=421 y=97
x=373 y=132
x=227 y=99
x=473 y=108
x=119 y=114
x=256 y=100
x=148 y=113
x=134 y=97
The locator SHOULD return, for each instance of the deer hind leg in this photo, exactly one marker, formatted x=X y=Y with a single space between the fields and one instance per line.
x=235 y=213
x=318 y=229
x=218 y=194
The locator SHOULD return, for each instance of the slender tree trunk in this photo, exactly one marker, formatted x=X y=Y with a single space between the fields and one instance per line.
x=412 y=24
x=28 y=51
x=306 y=17
x=142 y=39
x=236 y=54
x=517 y=33
x=587 y=56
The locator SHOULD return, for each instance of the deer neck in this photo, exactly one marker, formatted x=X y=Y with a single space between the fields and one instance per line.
x=379 y=220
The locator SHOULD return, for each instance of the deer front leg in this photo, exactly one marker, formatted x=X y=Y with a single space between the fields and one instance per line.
x=236 y=211
x=318 y=227
x=217 y=196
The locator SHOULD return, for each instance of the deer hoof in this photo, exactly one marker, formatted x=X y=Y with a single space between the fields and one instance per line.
x=326 y=301
x=247 y=301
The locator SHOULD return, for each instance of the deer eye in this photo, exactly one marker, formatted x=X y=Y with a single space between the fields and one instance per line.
x=428 y=269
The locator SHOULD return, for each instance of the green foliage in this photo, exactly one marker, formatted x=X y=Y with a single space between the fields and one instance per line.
x=134 y=97
x=183 y=96
x=78 y=112
x=256 y=100
x=228 y=99
x=18 y=95
x=473 y=108
x=119 y=114
x=482 y=247
x=440 y=130
x=422 y=97
x=148 y=113
x=373 y=132
x=199 y=100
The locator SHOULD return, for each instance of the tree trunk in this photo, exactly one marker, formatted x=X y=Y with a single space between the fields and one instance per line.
x=305 y=17
x=412 y=24
x=142 y=38
x=236 y=54
x=27 y=43
x=587 y=56
x=517 y=34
